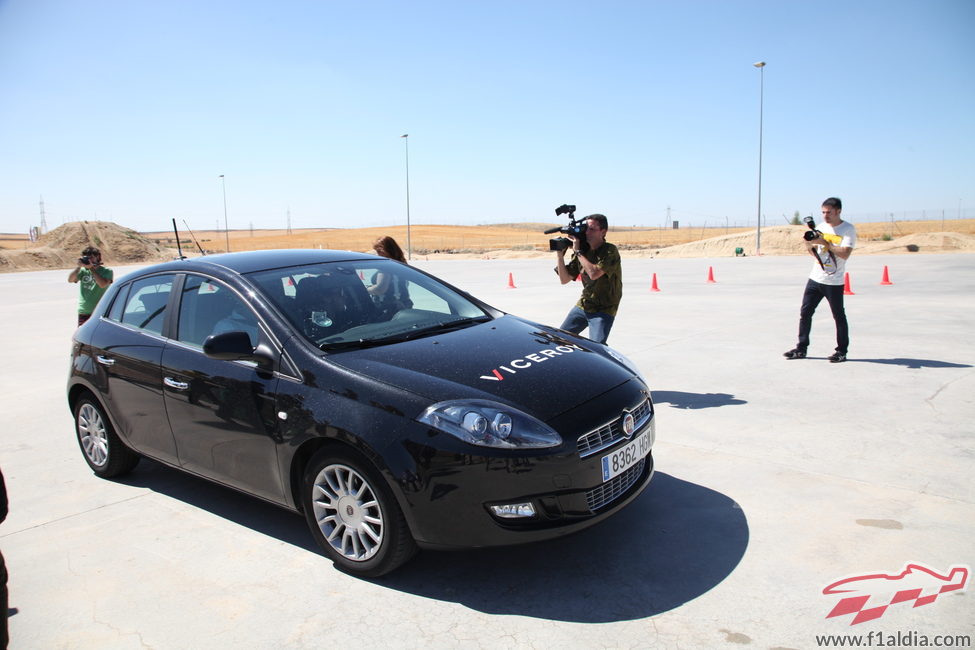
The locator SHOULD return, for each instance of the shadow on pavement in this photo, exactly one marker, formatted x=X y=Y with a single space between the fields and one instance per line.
x=674 y=543
x=241 y=509
x=682 y=400
x=913 y=363
x=677 y=541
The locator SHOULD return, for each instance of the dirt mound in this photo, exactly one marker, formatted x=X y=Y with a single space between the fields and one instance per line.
x=60 y=248
x=787 y=240
x=924 y=242
x=776 y=240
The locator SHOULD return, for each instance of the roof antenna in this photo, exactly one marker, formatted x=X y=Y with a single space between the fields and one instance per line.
x=178 y=247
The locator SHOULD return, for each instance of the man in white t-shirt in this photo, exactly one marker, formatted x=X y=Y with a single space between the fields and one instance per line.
x=831 y=251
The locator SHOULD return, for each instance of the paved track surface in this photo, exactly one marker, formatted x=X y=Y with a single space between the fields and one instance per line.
x=774 y=479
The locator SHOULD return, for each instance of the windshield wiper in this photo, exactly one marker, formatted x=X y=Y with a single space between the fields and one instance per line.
x=448 y=326
x=357 y=344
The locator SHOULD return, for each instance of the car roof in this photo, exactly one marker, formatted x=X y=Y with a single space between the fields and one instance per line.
x=250 y=261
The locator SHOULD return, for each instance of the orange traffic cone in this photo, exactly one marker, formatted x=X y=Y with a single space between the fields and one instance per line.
x=886 y=279
x=653 y=286
x=711 y=279
x=511 y=281
x=847 y=291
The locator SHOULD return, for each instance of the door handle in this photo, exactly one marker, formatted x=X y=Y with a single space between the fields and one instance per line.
x=105 y=361
x=178 y=385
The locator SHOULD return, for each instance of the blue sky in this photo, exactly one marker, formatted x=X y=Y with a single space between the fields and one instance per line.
x=129 y=110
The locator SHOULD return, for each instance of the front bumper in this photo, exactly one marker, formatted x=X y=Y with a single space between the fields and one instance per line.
x=448 y=496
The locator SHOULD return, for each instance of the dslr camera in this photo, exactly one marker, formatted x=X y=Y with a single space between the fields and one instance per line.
x=815 y=233
x=812 y=233
x=84 y=261
x=576 y=228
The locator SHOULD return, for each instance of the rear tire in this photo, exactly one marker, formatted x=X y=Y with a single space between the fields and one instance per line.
x=353 y=515
x=105 y=453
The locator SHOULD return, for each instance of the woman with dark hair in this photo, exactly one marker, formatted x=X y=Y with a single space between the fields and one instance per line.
x=389 y=291
x=387 y=247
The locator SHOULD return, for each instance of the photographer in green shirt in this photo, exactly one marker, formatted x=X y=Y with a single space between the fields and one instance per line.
x=602 y=280
x=94 y=280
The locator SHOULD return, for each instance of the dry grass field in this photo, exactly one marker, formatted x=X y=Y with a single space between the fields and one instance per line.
x=58 y=248
x=427 y=239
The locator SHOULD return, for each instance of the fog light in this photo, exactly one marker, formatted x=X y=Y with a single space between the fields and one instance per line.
x=513 y=510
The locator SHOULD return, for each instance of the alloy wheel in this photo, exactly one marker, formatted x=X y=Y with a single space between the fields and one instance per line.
x=93 y=434
x=348 y=512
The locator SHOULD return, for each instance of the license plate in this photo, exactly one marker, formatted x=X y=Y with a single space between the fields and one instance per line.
x=626 y=457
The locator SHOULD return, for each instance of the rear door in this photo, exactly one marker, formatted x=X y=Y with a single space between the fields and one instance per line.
x=222 y=413
x=128 y=346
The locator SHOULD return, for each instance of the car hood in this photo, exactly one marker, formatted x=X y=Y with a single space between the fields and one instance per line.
x=537 y=369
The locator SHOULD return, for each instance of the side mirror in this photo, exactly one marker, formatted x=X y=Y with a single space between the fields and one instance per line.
x=235 y=346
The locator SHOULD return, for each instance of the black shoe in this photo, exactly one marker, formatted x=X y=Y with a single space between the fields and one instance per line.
x=837 y=357
x=795 y=354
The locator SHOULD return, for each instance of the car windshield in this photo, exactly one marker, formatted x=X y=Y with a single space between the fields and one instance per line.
x=368 y=302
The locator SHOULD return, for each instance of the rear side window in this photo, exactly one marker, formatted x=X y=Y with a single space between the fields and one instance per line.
x=118 y=306
x=145 y=305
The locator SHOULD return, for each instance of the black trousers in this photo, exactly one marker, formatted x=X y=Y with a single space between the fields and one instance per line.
x=4 y=604
x=813 y=295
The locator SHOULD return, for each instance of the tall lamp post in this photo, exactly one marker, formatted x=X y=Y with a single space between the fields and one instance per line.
x=761 y=100
x=409 y=244
x=226 y=227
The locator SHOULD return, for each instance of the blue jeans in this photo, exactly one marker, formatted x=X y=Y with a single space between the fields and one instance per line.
x=599 y=324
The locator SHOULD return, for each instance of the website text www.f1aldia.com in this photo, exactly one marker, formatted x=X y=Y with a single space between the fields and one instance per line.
x=910 y=639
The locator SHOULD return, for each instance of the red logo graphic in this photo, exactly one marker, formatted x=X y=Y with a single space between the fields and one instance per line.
x=915 y=583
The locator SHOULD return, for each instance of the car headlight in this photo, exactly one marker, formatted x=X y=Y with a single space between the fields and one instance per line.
x=629 y=365
x=489 y=424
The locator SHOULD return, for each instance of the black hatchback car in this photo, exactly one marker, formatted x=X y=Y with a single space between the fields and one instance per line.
x=391 y=409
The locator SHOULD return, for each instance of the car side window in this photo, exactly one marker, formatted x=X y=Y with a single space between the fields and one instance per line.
x=115 y=313
x=209 y=307
x=145 y=306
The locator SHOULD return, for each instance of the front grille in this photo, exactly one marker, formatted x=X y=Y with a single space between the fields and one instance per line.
x=615 y=487
x=608 y=434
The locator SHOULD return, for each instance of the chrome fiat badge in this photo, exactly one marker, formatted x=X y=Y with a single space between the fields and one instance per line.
x=628 y=424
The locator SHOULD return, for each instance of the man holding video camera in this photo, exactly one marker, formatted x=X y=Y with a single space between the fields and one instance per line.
x=598 y=263
x=831 y=244
x=94 y=280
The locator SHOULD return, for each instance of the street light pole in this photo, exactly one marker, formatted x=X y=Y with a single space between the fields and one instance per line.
x=409 y=244
x=226 y=227
x=761 y=101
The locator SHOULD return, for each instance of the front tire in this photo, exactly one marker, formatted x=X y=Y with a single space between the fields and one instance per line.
x=105 y=453
x=353 y=515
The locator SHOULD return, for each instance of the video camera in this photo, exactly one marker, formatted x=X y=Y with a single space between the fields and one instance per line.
x=576 y=228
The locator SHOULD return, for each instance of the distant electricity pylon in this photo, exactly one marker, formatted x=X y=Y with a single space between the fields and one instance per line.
x=43 y=218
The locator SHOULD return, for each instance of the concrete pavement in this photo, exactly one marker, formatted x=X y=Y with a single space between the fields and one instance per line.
x=774 y=479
